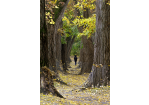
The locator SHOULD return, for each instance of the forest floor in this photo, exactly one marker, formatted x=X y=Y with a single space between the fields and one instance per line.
x=90 y=96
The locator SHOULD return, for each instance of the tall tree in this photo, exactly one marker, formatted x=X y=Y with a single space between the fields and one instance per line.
x=52 y=31
x=100 y=74
x=44 y=85
x=70 y=31
x=87 y=21
x=43 y=36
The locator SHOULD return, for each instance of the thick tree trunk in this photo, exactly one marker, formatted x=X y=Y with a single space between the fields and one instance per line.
x=87 y=55
x=100 y=74
x=52 y=47
x=48 y=54
x=87 y=51
x=43 y=36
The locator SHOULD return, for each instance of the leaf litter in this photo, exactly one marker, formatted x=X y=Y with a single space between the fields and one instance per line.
x=89 y=96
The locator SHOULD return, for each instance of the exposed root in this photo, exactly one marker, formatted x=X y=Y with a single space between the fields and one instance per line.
x=46 y=82
x=61 y=82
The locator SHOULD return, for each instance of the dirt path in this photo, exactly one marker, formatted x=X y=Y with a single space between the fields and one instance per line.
x=93 y=96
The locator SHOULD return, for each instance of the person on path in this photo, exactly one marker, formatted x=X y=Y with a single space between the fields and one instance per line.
x=75 y=59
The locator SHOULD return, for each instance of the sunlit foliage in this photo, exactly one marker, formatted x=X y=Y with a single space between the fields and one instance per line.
x=87 y=23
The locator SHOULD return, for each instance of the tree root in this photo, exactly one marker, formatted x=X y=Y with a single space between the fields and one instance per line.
x=61 y=82
x=46 y=82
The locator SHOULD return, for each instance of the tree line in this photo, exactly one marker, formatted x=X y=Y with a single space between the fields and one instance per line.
x=93 y=26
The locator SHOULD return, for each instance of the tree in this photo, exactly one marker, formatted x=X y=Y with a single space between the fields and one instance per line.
x=70 y=41
x=48 y=33
x=64 y=57
x=69 y=32
x=86 y=55
x=100 y=74
x=55 y=15
x=43 y=36
x=86 y=24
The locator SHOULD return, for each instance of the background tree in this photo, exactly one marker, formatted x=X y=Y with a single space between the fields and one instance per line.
x=87 y=51
x=64 y=56
x=84 y=20
x=69 y=32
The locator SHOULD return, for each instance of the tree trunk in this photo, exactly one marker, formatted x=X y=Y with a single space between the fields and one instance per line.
x=52 y=33
x=52 y=47
x=48 y=55
x=43 y=36
x=70 y=41
x=64 y=57
x=80 y=57
x=100 y=74
x=66 y=49
x=87 y=51
x=87 y=55
x=58 y=48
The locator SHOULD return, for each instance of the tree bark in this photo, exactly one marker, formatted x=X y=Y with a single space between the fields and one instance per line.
x=48 y=55
x=87 y=55
x=70 y=41
x=81 y=56
x=43 y=36
x=87 y=52
x=64 y=57
x=100 y=74
x=52 y=33
x=58 y=48
x=51 y=47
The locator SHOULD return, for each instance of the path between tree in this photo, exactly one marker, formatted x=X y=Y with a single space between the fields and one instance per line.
x=93 y=96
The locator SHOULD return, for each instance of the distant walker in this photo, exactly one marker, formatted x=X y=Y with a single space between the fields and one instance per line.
x=75 y=59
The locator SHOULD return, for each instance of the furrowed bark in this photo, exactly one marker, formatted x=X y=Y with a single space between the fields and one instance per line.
x=43 y=36
x=100 y=74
